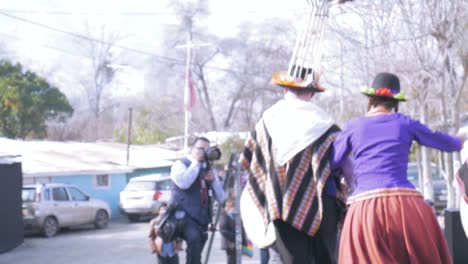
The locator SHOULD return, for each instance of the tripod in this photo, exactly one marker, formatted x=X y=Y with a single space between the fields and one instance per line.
x=232 y=174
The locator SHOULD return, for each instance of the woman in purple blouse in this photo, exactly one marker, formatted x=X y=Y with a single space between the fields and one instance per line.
x=388 y=220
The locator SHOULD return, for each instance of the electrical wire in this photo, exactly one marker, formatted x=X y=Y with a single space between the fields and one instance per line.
x=45 y=46
x=70 y=13
x=133 y=14
x=163 y=59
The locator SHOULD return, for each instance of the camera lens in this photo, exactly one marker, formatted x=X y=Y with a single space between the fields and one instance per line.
x=213 y=153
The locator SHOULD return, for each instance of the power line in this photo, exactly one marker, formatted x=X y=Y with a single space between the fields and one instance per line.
x=73 y=13
x=45 y=46
x=76 y=35
x=163 y=59
x=136 y=13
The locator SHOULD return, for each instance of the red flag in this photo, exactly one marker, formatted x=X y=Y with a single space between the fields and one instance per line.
x=192 y=95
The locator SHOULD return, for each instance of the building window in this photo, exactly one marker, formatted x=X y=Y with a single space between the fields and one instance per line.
x=102 y=181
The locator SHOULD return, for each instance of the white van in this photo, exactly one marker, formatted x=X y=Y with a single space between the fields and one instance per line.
x=143 y=195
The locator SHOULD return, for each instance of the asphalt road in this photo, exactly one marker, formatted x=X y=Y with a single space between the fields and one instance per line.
x=121 y=242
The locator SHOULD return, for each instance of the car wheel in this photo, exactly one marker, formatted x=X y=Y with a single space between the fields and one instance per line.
x=133 y=218
x=101 y=220
x=50 y=227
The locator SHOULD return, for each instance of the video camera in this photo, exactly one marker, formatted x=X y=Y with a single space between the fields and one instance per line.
x=212 y=153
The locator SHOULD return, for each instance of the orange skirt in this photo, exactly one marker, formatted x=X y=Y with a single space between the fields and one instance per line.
x=392 y=228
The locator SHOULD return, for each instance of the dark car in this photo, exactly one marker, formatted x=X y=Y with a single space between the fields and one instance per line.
x=438 y=182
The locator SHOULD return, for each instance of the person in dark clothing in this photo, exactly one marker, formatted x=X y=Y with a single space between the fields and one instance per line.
x=227 y=228
x=264 y=255
x=293 y=186
x=194 y=179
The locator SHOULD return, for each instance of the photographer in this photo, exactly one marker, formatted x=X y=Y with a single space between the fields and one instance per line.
x=194 y=180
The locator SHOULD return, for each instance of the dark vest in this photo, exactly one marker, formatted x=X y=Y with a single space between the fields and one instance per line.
x=190 y=199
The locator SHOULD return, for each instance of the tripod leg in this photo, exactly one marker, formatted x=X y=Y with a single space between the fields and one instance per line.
x=220 y=207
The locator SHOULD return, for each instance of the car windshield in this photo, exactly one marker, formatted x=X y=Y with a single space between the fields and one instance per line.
x=28 y=194
x=413 y=173
x=164 y=185
x=140 y=186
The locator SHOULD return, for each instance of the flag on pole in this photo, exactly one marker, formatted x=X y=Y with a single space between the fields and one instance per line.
x=192 y=96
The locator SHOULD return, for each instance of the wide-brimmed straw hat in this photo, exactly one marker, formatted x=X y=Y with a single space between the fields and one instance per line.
x=305 y=62
x=385 y=85
x=298 y=77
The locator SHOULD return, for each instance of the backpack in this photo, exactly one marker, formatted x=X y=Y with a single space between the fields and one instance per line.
x=172 y=223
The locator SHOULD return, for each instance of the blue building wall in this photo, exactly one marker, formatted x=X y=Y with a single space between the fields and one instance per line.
x=87 y=184
x=143 y=172
x=109 y=194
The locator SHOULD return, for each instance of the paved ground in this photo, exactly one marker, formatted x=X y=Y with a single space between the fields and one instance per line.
x=121 y=242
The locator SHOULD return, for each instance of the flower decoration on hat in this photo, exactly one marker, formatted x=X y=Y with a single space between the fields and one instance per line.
x=384 y=92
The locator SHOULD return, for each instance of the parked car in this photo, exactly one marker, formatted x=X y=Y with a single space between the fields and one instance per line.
x=51 y=206
x=438 y=182
x=144 y=195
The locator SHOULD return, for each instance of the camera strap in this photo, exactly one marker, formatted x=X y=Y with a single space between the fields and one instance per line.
x=204 y=192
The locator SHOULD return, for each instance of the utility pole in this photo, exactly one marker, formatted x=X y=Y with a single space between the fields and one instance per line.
x=129 y=133
x=186 y=90
x=130 y=109
x=189 y=46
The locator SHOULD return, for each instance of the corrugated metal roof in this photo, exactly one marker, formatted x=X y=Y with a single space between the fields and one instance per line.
x=53 y=158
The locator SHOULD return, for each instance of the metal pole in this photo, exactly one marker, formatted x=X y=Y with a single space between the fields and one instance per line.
x=129 y=133
x=229 y=174
x=237 y=193
x=186 y=91
x=189 y=47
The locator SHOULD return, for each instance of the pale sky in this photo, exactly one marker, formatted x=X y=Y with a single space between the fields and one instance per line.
x=141 y=21
x=142 y=30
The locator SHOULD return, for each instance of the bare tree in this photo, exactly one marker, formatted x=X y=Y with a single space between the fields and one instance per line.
x=257 y=51
x=448 y=27
x=442 y=56
x=187 y=31
x=420 y=40
x=98 y=48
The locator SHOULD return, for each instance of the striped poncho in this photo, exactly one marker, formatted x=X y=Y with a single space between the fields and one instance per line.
x=291 y=192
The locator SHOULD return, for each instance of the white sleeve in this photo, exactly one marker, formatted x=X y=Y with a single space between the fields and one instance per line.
x=184 y=176
x=217 y=187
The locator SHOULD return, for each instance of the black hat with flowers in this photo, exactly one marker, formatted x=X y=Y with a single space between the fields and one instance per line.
x=385 y=85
